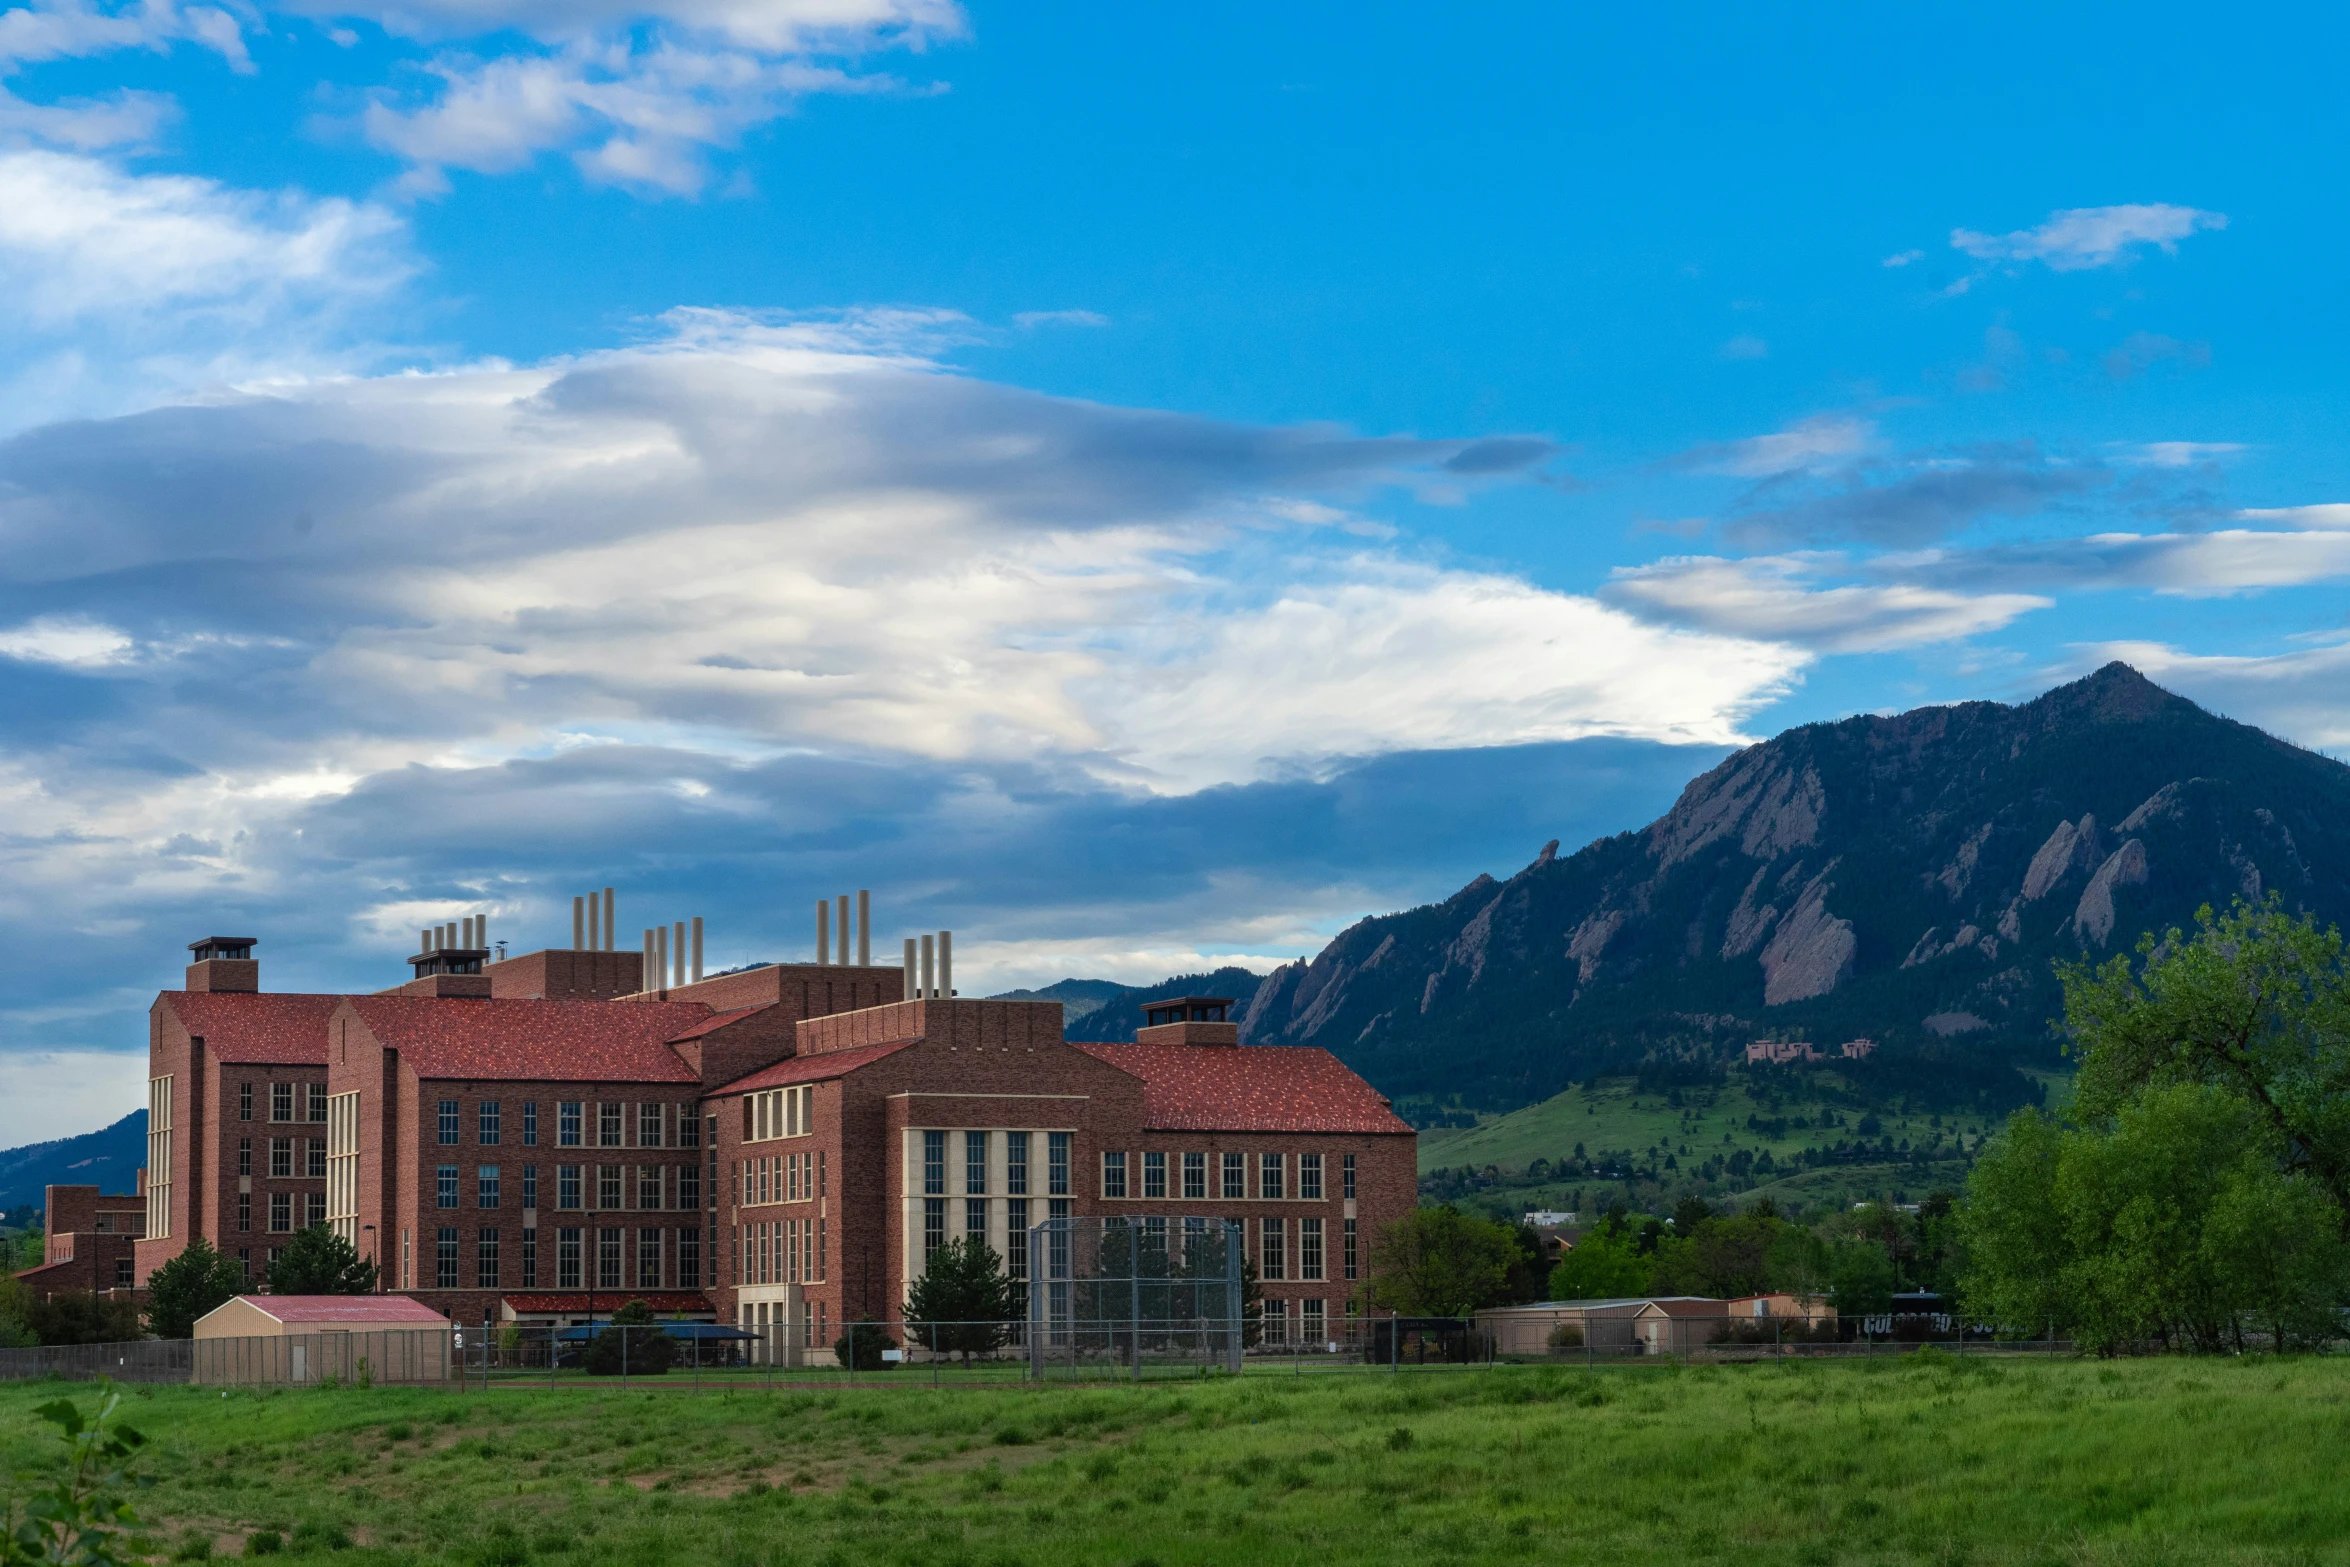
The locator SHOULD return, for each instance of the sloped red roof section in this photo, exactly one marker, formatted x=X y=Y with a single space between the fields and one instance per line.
x=718 y=1020
x=346 y=1309
x=813 y=1069
x=534 y=1041
x=256 y=1028
x=1250 y=1088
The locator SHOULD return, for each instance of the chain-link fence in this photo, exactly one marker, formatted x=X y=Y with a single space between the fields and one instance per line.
x=1140 y=1294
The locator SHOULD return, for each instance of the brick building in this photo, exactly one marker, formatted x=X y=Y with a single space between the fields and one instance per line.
x=543 y=1138
x=90 y=1240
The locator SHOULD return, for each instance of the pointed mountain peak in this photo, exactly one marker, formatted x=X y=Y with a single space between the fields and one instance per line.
x=2116 y=693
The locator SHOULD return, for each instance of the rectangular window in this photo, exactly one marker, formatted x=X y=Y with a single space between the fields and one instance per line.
x=567 y=1186
x=608 y=1125
x=244 y=1101
x=1276 y=1322
x=1235 y=1177
x=444 y=1269
x=1114 y=1175
x=1056 y=1174
x=1154 y=1176
x=281 y=1158
x=934 y=1225
x=567 y=1119
x=244 y=1210
x=445 y=1186
x=244 y=1156
x=1016 y=1163
x=530 y=1186
x=648 y=1256
x=407 y=1263
x=975 y=1217
x=1195 y=1177
x=689 y=1128
x=315 y=1204
x=448 y=1123
x=485 y=1186
x=1016 y=1238
x=488 y=1123
x=567 y=1268
x=648 y=1128
x=1348 y=1228
x=689 y=1187
x=1309 y=1249
x=934 y=1164
x=607 y=1186
x=1316 y=1324
x=530 y=1123
x=1269 y=1173
x=648 y=1187
x=1346 y=1176
x=485 y=1260
x=314 y=1158
x=281 y=1101
x=974 y=1164
x=1309 y=1177
x=530 y=1259
x=1272 y=1253
x=317 y=1101
x=821 y=1242
x=607 y=1259
x=689 y=1259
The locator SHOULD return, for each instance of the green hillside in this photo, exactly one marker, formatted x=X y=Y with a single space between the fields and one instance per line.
x=1807 y=1139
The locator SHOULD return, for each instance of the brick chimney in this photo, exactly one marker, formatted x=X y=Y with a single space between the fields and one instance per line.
x=1188 y=1020
x=224 y=963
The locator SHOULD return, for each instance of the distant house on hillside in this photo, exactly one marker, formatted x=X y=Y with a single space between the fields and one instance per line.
x=1778 y=1052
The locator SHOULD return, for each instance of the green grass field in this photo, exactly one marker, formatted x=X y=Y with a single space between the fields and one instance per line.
x=1928 y=1459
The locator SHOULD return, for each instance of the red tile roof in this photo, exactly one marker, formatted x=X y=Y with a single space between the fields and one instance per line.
x=713 y=1024
x=609 y=1301
x=534 y=1041
x=1250 y=1088
x=813 y=1069
x=345 y=1308
x=280 y=1029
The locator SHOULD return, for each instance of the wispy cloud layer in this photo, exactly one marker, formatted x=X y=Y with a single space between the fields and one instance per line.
x=2080 y=238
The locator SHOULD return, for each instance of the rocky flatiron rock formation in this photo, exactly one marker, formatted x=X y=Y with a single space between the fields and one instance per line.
x=1907 y=878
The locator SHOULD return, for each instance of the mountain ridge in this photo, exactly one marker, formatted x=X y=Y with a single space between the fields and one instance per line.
x=1905 y=877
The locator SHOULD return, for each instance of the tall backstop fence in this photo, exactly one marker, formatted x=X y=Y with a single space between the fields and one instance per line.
x=1143 y=1293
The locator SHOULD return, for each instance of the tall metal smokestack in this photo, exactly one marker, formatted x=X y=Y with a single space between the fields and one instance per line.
x=946 y=963
x=652 y=970
x=481 y=931
x=578 y=924
x=448 y=935
x=912 y=987
x=864 y=929
x=823 y=930
x=844 y=930
x=465 y=934
x=678 y=964
x=611 y=931
x=660 y=958
x=929 y=968
x=424 y=939
x=697 y=949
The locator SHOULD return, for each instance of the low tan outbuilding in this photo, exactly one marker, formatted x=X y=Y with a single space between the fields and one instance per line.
x=309 y=1338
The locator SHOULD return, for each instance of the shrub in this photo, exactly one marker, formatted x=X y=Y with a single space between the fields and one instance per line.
x=860 y=1347
x=632 y=1344
x=264 y=1542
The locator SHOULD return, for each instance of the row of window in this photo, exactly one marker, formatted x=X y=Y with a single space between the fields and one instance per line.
x=782 y=1251
x=285 y=1208
x=779 y=1112
x=1232 y=1177
x=1275 y=1259
x=653 y=1123
x=641 y=1186
x=791 y=1177
x=975 y=1163
x=659 y=1259
x=975 y=1223
x=287 y=1161
x=287 y=1101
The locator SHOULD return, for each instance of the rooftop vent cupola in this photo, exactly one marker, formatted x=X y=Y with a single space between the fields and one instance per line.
x=1188 y=1020
x=223 y=963
x=460 y=947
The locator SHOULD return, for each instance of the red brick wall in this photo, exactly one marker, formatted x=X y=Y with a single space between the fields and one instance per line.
x=560 y=974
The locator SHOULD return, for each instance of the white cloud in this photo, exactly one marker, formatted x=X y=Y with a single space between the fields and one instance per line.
x=2178 y=454
x=73 y=643
x=1905 y=258
x=74 y=30
x=775 y=27
x=2080 y=238
x=63 y=1093
x=1028 y=319
x=125 y=286
x=1775 y=598
x=2328 y=514
x=1814 y=444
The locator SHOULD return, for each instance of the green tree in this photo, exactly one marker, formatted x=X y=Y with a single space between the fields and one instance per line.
x=196 y=1281
x=2014 y=1231
x=74 y=1519
x=1439 y=1262
x=1601 y=1266
x=16 y=1310
x=1528 y=1278
x=963 y=1302
x=1860 y=1277
x=317 y=1261
x=81 y=1317
x=860 y=1347
x=2255 y=1002
x=634 y=1344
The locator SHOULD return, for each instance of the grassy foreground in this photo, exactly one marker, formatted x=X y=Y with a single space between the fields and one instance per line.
x=1931 y=1459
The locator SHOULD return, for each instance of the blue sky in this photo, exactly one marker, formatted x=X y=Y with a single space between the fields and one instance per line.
x=1139 y=486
